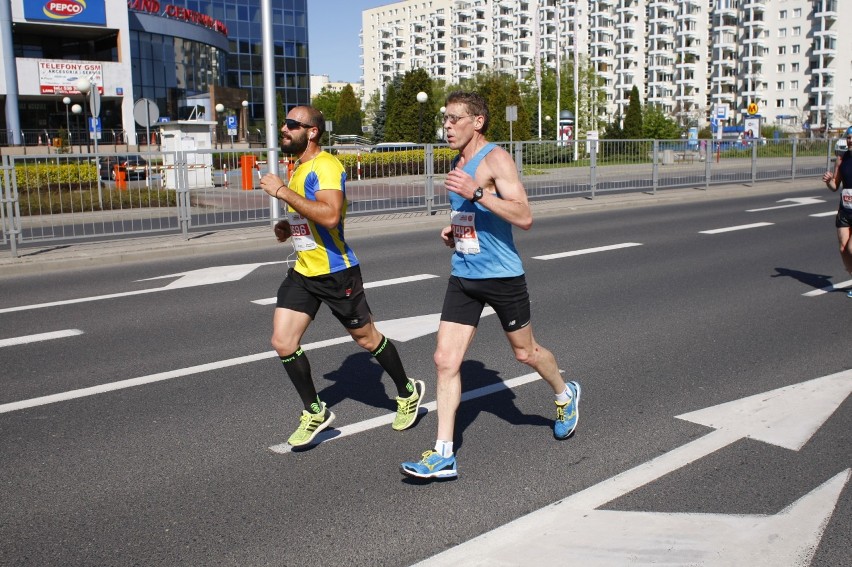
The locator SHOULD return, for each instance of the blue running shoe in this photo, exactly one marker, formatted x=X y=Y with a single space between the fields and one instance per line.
x=849 y=293
x=567 y=414
x=432 y=465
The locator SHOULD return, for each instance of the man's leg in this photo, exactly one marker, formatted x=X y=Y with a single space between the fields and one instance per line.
x=453 y=341
x=409 y=392
x=288 y=327
x=528 y=351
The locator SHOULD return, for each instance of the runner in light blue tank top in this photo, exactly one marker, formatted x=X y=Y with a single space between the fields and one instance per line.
x=497 y=256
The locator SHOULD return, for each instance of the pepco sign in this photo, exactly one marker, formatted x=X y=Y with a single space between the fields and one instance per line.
x=66 y=11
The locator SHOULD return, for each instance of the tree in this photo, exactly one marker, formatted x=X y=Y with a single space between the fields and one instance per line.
x=657 y=125
x=326 y=102
x=348 y=113
x=633 y=117
x=407 y=119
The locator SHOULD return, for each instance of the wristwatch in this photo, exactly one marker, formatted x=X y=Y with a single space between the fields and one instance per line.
x=477 y=195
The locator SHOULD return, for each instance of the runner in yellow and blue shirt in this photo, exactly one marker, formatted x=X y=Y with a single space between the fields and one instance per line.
x=326 y=271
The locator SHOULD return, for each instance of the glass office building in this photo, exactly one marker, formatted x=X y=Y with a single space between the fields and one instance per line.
x=245 y=49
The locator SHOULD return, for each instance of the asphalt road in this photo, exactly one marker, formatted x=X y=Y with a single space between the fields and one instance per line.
x=656 y=318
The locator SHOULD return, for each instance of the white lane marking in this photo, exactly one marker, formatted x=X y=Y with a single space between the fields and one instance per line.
x=794 y=202
x=828 y=214
x=373 y=423
x=380 y=283
x=586 y=251
x=732 y=228
x=786 y=417
x=404 y=329
x=838 y=285
x=40 y=337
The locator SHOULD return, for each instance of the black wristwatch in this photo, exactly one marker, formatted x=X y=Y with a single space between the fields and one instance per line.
x=477 y=195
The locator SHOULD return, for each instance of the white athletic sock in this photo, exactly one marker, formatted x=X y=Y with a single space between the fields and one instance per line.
x=565 y=396
x=444 y=448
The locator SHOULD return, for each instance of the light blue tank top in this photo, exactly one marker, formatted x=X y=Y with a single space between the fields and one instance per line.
x=497 y=257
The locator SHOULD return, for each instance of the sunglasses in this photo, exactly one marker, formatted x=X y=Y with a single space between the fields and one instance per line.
x=295 y=124
x=452 y=118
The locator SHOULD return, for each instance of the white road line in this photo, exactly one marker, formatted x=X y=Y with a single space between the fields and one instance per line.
x=40 y=337
x=586 y=251
x=151 y=378
x=740 y=227
x=828 y=214
x=366 y=425
x=838 y=285
x=380 y=283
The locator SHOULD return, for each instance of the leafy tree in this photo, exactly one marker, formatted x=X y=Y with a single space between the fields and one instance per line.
x=348 y=113
x=657 y=125
x=633 y=117
x=393 y=112
x=407 y=119
x=326 y=102
x=613 y=130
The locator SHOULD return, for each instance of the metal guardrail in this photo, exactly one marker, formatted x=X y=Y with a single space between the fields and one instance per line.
x=54 y=197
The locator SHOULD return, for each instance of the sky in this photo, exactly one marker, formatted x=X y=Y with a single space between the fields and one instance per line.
x=333 y=44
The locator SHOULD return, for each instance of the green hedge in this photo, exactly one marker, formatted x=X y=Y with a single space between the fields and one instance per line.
x=387 y=164
x=76 y=201
x=47 y=176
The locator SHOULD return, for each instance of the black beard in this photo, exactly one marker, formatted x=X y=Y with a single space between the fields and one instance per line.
x=294 y=147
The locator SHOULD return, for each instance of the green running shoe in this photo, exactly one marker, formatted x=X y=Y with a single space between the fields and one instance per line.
x=406 y=408
x=309 y=425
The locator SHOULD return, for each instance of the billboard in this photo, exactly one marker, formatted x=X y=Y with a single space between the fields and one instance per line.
x=66 y=11
x=60 y=77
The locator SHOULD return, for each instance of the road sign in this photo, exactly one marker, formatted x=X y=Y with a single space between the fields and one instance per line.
x=752 y=108
x=722 y=111
x=232 y=125
x=94 y=128
x=145 y=112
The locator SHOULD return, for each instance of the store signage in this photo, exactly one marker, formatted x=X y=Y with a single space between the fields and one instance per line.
x=60 y=77
x=66 y=11
x=178 y=13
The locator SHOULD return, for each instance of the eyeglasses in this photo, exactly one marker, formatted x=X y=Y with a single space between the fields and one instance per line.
x=295 y=124
x=454 y=118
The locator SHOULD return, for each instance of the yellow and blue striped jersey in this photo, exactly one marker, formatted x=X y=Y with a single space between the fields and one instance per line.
x=320 y=250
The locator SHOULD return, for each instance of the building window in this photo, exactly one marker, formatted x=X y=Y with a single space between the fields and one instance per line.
x=781 y=67
x=795 y=67
x=797 y=31
x=794 y=103
x=779 y=103
x=782 y=50
x=782 y=32
x=779 y=86
x=797 y=12
x=782 y=15
x=797 y=48
x=794 y=85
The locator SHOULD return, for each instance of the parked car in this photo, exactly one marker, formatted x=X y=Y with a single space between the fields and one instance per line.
x=840 y=147
x=135 y=165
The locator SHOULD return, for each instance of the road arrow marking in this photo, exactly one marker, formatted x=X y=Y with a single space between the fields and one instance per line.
x=764 y=417
x=380 y=283
x=587 y=251
x=397 y=329
x=733 y=228
x=833 y=287
x=794 y=202
x=210 y=276
x=602 y=538
x=40 y=337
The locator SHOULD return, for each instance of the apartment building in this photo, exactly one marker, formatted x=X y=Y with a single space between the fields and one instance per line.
x=786 y=56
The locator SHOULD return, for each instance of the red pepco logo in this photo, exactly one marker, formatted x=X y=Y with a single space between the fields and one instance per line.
x=64 y=9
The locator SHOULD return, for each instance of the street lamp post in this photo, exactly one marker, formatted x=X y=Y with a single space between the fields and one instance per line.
x=421 y=98
x=244 y=122
x=443 y=111
x=220 y=108
x=67 y=101
x=89 y=88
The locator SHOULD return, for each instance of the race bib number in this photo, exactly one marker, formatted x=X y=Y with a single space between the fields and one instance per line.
x=303 y=238
x=464 y=232
x=846 y=198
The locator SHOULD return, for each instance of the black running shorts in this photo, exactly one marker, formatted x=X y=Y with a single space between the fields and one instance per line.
x=843 y=218
x=465 y=299
x=342 y=291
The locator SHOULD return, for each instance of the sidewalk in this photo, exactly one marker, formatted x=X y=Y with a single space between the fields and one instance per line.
x=68 y=255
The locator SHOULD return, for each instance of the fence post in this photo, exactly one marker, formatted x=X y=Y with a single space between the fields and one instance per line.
x=593 y=165
x=182 y=192
x=708 y=164
x=655 y=172
x=754 y=142
x=429 y=156
x=793 y=160
x=519 y=158
x=11 y=219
